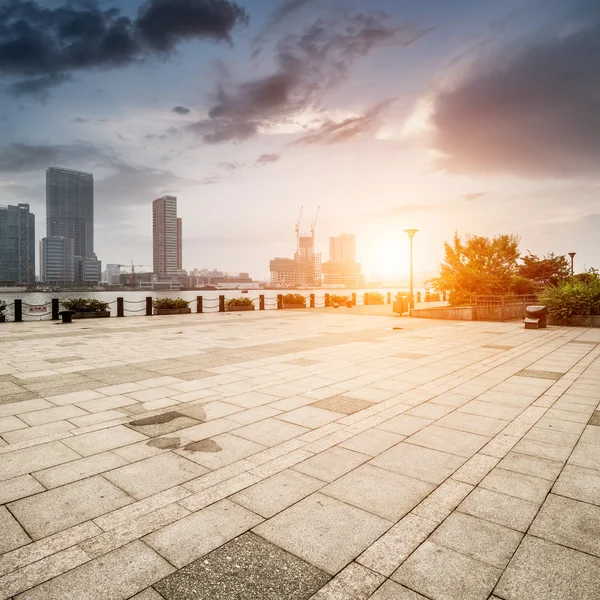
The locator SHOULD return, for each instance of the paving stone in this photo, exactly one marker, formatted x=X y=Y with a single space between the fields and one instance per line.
x=79 y=469
x=549 y=436
x=10 y=424
x=372 y=442
x=148 y=594
x=518 y=485
x=542 y=450
x=201 y=532
x=246 y=568
x=278 y=492
x=428 y=410
x=391 y=590
x=354 y=582
x=477 y=538
x=343 y=404
x=384 y=493
x=540 y=374
x=106 y=578
x=153 y=475
x=60 y=413
x=541 y=569
x=104 y=439
x=27 y=460
x=499 y=508
x=220 y=451
x=162 y=424
x=404 y=424
x=579 y=483
x=531 y=465
x=37 y=432
x=475 y=469
x=270 y=432
x=584 y=455
x=13 y=535
x=19 y=487
x=52 y=511
x=331 y=464
x=443 y=500
x=253 y=415
x=418 y=462
x=332 y=533
x=438 y=572
x=104 y=403
x=310 y=416
x=460 y=443
x=569 y=523
x=472 y=423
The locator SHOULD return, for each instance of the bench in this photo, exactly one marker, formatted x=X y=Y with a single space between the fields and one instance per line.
x=67 y=315
x=536 y=317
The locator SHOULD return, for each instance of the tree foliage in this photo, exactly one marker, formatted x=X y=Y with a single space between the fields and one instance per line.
x=478 y=266
x=548 y=270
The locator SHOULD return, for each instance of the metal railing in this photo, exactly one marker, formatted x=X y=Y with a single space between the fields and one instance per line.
x=501 y=308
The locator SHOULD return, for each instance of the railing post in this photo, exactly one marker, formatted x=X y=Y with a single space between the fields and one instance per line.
x=261 y=302
x=418 y=297
x=199 y=304
x=18 y=311
x=55 y=307
x=353 y=299
x=389 y=297
x=327 y=301
x=221 y=303
x=120 y=307
x=365 y=301
x=312 y=300
x=148 y=306
x=279 y=301
x=502 y=309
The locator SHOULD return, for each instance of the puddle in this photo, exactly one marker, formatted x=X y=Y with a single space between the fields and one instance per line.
x=156 y=420
x=203 y=446
x=164 y=443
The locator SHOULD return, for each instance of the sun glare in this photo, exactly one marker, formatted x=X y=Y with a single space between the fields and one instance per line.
x=390 y=258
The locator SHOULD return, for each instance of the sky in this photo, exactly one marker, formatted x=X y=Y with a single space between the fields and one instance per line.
x=476 y=116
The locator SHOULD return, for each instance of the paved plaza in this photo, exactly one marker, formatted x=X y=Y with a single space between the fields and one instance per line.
x=324 y=454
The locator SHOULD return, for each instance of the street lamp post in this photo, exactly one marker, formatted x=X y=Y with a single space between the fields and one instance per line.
x=411 y=234
x=572 y=255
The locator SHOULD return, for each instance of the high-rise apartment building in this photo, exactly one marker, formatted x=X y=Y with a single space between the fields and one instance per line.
x=70 y=215
x=179 y=244
x=17 y=244
x=342 y=248
x=57 y=260
x=166 y=236
x=342 y=268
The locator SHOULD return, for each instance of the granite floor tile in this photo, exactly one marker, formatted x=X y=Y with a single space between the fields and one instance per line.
x=372 y=442
x=443 y=500
x=220 y=451
x=162 y=424
x=475 y=469
x=391 y=590
x=579 y=483
x=542 y=450
x=37 y=432
x=246 y=568
x=60 y=413
x=404 y=424
x=270 y=432
x=331 y=464
x=19 y=487
x=353 y=582
x=28 y=460
x=472 y=423
x=586 y=455
x=12 y=534
x=518 y=485
x=443 y=439
x=332 y=533
x=310 y=416
x=531 y=465
x=343 y=404
x=103 y=440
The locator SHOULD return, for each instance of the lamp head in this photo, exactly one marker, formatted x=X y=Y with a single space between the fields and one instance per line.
x=572 y=254
x=411 y=232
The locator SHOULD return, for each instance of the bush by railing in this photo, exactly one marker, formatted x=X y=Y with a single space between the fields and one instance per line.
x=297 y=299
x=338 y=299
x=85 y=305
x=374 y=298
x=240 y=302
x=572 y=298
x=165 y=303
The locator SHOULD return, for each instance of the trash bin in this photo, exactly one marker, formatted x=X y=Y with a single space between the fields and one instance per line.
x=536 y=315
x=67 y=315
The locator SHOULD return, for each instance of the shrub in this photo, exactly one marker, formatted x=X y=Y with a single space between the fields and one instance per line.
x=240 y=302
x=401 y=296
x=335 y=299
x=162 y=303
x=572 y=297
x=294 y=299
x=374 y=298
x=85 y=305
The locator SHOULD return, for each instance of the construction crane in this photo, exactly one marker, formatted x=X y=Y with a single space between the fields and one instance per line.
x=298 y=227
x=314 y=223
x=132 y=275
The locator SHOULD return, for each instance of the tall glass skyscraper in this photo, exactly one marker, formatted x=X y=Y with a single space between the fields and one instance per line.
x=166 y=236
x=17 y=244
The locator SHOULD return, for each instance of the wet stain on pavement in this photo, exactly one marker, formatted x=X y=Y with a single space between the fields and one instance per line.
x=156 y=419
x=203 y=446
x=164 y=443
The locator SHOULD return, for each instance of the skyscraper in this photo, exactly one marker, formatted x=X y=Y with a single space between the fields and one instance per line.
x=57 y=264
x=166 y=236
x=17 y=244
x=70 y=215
x=342 y=248
x=342 y=268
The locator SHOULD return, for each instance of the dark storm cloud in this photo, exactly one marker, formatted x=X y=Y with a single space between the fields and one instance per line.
x=267 y=159
x=45 y=45
x=308 y=65
x=346 y=130
x=473 y=196
x=534 y=112
x=181 y=110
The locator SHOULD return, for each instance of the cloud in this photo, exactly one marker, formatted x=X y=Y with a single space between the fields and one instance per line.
x=530 y=112
x=46 y=45
x=346 y=130
x=307 y=65
x=267 y=159
x=473 y=196
x=181 y=110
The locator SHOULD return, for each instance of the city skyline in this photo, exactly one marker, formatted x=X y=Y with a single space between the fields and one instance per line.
x=479 y=117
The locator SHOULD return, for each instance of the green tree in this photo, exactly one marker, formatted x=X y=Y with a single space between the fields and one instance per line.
x=548 y=270
x=477 y=266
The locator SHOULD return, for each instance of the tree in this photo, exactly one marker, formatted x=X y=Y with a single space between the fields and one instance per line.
x=478 y=266
x=549 y=270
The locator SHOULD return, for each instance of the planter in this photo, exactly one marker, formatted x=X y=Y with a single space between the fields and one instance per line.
x=371 y=302
x=400 y=306
x=96 y=314
x=172 y=311
x=581 y=321
x=238 y=308
x=2 y=318
x=290 y=306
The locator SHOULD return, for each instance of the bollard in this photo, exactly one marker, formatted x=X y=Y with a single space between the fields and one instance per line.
x=261 y=302
x=312 y=300
x=18 y=311
x=55 y=308
x=120 y=307
x=149 y=306
x=199 y=304
x=279 y=301
x=366 y=300
x=221 y=303
x=353 y=299
x=327 y=301
x=389 y=297
x=444 y=296
x=418 y=296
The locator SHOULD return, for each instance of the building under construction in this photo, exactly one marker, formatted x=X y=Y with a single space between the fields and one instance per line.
x=305 y=268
